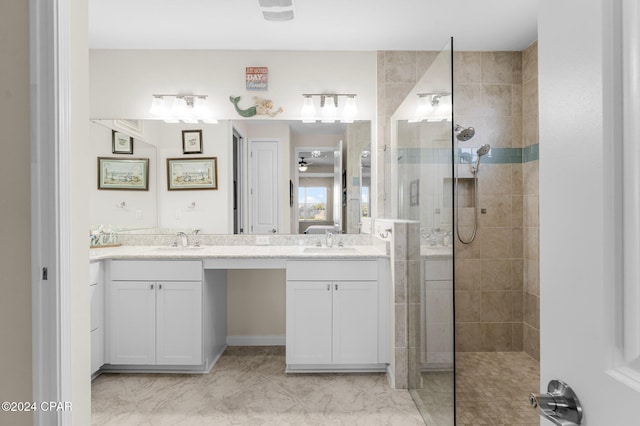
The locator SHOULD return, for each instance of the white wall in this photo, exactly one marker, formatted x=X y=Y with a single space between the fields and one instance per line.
x=123 y=81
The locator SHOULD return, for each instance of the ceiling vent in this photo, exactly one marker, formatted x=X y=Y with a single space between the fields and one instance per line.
x=277 y=10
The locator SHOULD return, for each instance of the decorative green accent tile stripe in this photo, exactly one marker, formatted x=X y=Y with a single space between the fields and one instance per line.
x=467 y=155
x=531 y=153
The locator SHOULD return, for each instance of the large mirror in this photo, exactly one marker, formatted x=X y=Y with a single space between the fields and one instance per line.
x=262 y=187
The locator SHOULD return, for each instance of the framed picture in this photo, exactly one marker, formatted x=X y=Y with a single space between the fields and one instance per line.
x=121 y=143
x=121 y=173
x=192 y=141
x=192 y=173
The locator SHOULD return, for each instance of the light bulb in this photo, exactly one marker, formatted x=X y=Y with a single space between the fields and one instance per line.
x=302 y=168
x=308 y=109
x=159 y=107
x=329 y=110
x=424 y=106
x=350 y=110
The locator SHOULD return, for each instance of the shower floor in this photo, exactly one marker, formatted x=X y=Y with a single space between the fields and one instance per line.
x=492 y=389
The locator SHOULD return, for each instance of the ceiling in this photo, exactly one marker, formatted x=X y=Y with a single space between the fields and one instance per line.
x=364 y=25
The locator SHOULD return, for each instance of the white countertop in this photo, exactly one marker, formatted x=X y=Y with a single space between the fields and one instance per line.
x=237 y=252
x=436 y=252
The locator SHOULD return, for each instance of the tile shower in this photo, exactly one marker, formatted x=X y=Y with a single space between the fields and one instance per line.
x=497 y=280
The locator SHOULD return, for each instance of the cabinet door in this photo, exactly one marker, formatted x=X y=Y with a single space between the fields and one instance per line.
x=308 y=322
x=355 y=322
x=132 y=320
x=179 y=323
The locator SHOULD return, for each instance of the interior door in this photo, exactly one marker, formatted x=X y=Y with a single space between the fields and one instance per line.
x=590 y=208
x=264 y=194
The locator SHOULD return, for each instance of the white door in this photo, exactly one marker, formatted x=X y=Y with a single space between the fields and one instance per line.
x=132 y=320
x=589 y=284
x=179 y=323
x=263 y=181
x=337 y=186
x=355 y=322
x=308 y=322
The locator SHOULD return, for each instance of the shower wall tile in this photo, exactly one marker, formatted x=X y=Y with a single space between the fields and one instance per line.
x=468 y=100
x=530 y=178
x=400 y=67
x=401 y=325
x=400 y=281
x=496 y=274
x=531 y=210
x=469 y=337
x=517 y=210
x=531 y=277
x=467 y=274
x=530 y=97
x=394 y=94
x=498 y=210
x=517 y=179
x=495 y=180
x=517 y=235
x=517 y=274
x=517 y=337
x=518 y=306
x=424 y=59
x=496 y=100
x=496 y=306
x=495 y=243
x=517 y=67
x=530 y=62
x=530 y=130
x=517 y=101
x=518 y=138
x=531 y=341
x=497 y=67
x=531 y=310
x=467 y=306
x=497 y=337
x=467 y=67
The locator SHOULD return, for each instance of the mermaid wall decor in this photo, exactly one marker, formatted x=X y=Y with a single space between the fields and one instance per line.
x=260 y=107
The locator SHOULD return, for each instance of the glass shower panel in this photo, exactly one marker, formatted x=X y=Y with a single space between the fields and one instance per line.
x=422 y=192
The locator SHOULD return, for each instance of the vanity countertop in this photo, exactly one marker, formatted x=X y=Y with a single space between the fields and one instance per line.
x=436 y=252
x=237 y=252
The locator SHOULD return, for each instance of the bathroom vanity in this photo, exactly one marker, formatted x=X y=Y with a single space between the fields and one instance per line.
x=163 y=309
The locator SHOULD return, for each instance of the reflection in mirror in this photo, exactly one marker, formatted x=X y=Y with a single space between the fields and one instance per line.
x=159 y=211
x=365 y=183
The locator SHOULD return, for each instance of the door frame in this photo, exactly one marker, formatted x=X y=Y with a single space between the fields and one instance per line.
x=49 y=28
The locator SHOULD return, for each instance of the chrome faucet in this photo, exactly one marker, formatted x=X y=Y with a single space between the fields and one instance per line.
x=329 y=242
x=184 y=241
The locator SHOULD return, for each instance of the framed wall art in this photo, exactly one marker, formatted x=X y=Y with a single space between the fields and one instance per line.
x=121 y=143
x=192 y=141
x=123 y=173
x=192 y=173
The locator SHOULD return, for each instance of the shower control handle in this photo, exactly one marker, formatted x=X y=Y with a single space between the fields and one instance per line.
x=560 y=405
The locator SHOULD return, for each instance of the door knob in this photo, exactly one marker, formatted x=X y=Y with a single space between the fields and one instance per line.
x=559 y=405
x=274 y=230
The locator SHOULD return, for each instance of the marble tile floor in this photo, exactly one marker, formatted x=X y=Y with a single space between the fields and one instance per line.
x=248 y=386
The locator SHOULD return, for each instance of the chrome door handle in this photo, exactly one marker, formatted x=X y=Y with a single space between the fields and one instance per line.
x=560 y=404
x=274 y=230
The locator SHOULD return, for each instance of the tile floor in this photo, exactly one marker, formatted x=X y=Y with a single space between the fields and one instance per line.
x=248 y=386
x=492 y=389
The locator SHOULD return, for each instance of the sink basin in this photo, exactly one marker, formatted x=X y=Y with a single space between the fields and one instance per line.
x=329 y=250
x=188 y=248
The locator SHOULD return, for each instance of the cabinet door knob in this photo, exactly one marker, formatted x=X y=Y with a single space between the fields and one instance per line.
x=328 y=287
x=159 y=286
x=336 y=286
x=151 y=286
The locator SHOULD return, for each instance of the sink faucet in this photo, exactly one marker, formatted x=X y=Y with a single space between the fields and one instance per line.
x=184 y=241
x=329 y=242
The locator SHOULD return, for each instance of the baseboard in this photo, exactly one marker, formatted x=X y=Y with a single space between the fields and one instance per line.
x=268 y=340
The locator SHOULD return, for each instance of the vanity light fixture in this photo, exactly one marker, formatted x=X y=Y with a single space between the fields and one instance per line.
x=277 y=10
x=185 y=108
x=329 y=108
x=432 y=107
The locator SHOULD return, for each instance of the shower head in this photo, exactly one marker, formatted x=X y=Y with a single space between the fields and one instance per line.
x=464 y=134
x=483 y=150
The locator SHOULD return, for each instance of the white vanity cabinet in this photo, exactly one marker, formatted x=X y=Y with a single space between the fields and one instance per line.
x=96 y=323
x=155 y=313
x=335 y=315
